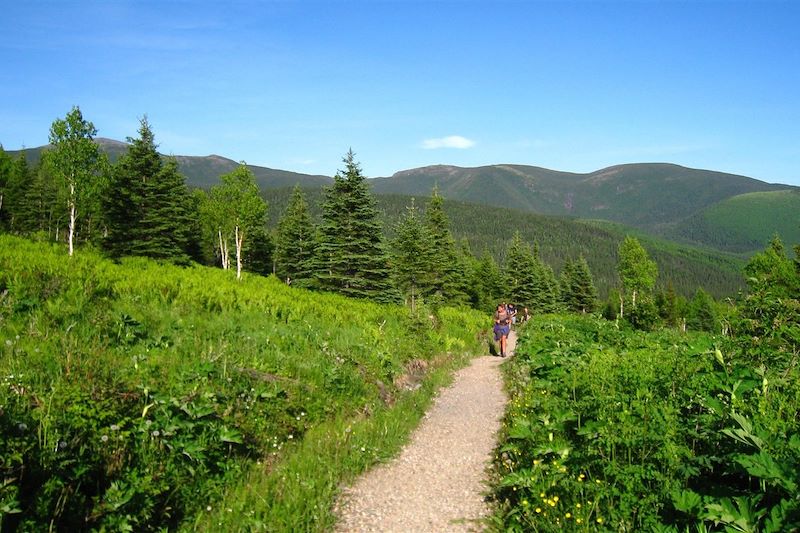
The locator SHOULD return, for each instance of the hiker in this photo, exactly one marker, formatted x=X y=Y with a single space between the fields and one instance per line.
x=526 y=315
x=511 y=309
x=501 y=327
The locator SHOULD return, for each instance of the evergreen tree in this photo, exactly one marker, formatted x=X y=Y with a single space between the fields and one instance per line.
x=76 y=162
x=148 y=209
x=5 y=174
x=518 y=272
x=20 y=219
x=702 y=314
x=446 y=269
x=351 y=258
x=583 y=292
x=414 y=262
x=568 y=298
x=487 y=283
x=296 y=242
x=259 y=257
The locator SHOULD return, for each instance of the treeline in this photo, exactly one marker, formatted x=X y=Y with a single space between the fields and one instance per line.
x=342 y=242
x=488 y=230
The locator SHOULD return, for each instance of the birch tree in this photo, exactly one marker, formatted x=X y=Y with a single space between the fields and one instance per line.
x=637 y=271
x=237 y=209
x=75 y=161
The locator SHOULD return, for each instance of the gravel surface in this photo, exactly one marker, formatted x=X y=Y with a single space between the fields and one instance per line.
x=436 y=483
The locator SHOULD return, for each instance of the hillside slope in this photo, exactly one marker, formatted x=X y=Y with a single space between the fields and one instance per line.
x=744 y=223
x=645 y=195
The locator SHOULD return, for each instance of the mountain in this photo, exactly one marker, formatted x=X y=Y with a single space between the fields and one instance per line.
x=660 y=198
x=201 y=171
x=643 y=195
x=745 y=222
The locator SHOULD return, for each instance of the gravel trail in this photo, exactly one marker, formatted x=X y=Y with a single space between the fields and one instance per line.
x=436 y=483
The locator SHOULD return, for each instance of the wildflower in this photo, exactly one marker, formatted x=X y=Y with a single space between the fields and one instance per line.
x=541 y=494
x=568 y=515
x=538 y=509
x=155 y=433
x=597 y=481
x=22 y=426
x=577 y=505
x=208 y=508
x=579 y=520
x=599 y=520
x=525 y=503
x=555 y=498
x=114 y=427
x=104 y=438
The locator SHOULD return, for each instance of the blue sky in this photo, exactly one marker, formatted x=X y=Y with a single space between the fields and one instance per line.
x=573 y=86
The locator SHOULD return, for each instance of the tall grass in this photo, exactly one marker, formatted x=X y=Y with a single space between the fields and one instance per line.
x=138 y=395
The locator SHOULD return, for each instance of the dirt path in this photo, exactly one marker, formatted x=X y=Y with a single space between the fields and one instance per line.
x=436 y=483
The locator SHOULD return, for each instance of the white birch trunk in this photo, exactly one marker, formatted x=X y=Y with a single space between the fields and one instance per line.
x=621 y=305
x=1 y=202
x=223 y=251
x=71 y=204
x=239 y=237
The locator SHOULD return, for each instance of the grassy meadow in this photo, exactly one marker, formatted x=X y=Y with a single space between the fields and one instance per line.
x=141 y=396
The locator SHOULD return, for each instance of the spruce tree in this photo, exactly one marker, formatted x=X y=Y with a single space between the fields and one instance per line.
x=167 y=222
x=352 y=259
x=5 y=174
x=413 y=257
x=18 y=182
x=447 y=270
x=296 y=242
x=584 y=294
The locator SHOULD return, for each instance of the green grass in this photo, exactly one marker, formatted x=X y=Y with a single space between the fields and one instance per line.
x=137 y=395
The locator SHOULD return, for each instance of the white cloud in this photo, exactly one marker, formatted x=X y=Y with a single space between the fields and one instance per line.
x=453 y=141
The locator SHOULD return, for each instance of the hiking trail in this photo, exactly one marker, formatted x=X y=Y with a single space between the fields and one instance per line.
x=436 y=483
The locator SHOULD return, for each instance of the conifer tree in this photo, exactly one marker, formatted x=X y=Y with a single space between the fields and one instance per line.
x=519 y=262
x=296 y=242
x=17 y=184
x=582 y=295
x=446 y=268
x=413 y=257
x=148 y=209
x=5 y=173
x=352 y=259
x=487 y=282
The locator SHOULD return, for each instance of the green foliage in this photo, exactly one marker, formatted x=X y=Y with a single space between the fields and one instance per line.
x=134 y=396
x=745 y=222
x=767 y=328
x=147 y=207
x=351 y=255
x=626 y=431
x=413 y=258
x=77 y=163
x=578 y=293
x=296 y=244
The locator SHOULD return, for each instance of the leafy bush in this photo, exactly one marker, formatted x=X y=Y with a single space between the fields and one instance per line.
x=628 y=431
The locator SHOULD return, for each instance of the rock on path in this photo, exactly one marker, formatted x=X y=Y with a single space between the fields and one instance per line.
x=436 y=484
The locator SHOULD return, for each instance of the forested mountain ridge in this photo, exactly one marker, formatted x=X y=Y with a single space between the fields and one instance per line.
x=488 y=230
x=200 y=171
x=669 y=200
x=644 y=195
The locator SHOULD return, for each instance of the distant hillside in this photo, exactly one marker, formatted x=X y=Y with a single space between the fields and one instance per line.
x=646 y=195
x=202 y=171
x=488 y=230
x=745 y=223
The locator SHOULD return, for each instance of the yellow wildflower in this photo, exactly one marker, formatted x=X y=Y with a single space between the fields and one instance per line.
x=538 y=509
x=599 y=520
x=568 y=515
